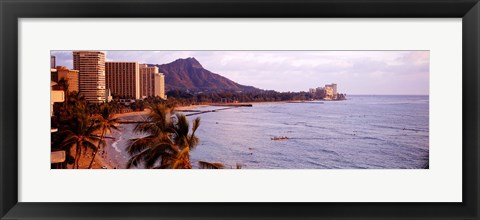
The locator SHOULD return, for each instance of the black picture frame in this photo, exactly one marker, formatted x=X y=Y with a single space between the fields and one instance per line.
x=12 y=10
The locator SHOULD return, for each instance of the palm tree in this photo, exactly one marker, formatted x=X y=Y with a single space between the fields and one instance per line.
x=167 y=143
x=105 y=122
x=184 y=140
x=157 y=144
x=80 y=134
x=65 y=85
x=75 y=97
x=71 y=118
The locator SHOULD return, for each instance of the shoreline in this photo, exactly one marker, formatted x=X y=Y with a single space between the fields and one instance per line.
x=135 y=113
x=190 y=107
x=245 y=149
x=146 y=111
x=99 y=162
x=108 y=159
x=231 y=104
x=105 y=158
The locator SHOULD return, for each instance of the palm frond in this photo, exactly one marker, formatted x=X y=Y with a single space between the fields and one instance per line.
x=147 y=128
x=137 y=145
x=88 y=145
x=182 y=125
x=196 y=124
x=193 y=141
x=162 y=151
x=208 y=165
x=168 y=143
x=68 y=140
x=135 y=160
x=182 y=159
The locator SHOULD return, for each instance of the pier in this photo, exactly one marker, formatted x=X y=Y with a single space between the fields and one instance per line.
x=194 y=112
x=233 y=104
x=207 y=111
x=306 y=102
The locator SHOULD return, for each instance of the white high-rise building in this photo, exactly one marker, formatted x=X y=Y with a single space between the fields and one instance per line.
x=333 y=88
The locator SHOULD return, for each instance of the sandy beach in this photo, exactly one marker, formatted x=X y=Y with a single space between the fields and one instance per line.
x=135 y=113
x=189 y=107
x=147 y=111
x=101 y=160
x=98 y=163
x=255 y=103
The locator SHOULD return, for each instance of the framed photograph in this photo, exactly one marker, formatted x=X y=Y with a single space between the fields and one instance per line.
x=225 y=109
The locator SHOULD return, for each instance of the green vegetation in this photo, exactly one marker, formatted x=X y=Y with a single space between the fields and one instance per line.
x=186 y=98
x=105 y=122
x=167 y=143
x=79 y=125
x=77 y=128
x=82 y=128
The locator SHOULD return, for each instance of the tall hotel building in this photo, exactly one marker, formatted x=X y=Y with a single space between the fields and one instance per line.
x=123 y=79
x=152 y=83
x=160 y=85
x=91 y=74
x=333 y=86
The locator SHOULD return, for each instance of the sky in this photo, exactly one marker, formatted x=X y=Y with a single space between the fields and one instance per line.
x=354 y=72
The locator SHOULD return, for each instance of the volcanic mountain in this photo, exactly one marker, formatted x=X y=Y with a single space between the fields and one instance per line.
x=183 y=74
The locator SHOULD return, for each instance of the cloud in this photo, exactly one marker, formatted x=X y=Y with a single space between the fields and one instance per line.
x=355 y=72
x=63 y=58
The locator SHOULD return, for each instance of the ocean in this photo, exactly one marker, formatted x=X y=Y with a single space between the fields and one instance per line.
x=363 y=132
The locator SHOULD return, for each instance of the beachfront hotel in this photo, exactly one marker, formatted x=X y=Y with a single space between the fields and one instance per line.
x=63 y=72
x=123 y=79
x=329 y=93
x=152 y=83
x=91 y=74
x=160 y=85
x=331 y=90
